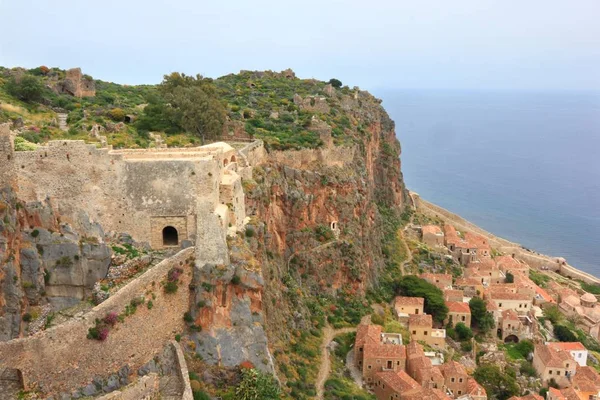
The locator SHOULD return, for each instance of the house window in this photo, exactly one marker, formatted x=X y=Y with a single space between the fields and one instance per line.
x=463 y=318
x=550 y=372
x=459 y=392
x=579 y=355
x=425 y=333
x=397 y=362
x=414 y=332
x=368 y=367
x=416 y=310
x=499 y=304
x=460 y=380
x=378 y=361
x=452 y=380
x=389 y=364
x=567 y=365
x=520 y=305
x=360 y=349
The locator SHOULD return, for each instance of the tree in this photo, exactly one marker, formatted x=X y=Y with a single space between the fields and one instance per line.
x=463 y=331
x=117 y=114
x=483 y=319
x=336 y=83
x=553 y=314
x=510 y=278
x=497 y=384
x=525 y=347
x=414 y=286
x=564 y=334
x=256 y=385
x=27 y=87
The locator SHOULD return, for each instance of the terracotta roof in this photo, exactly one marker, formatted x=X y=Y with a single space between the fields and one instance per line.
x=398 y=381
x=420 y=320
x=510 y=315
x=433 y=229
x=425 y=394
x=441 y=277
x=452 y=368
x=414 y=349
x=491 y=306
x=586 y=379
x=458 y=307
x=384 y=350
x=408 y=301
x=552 y=357
x=467 y=282
x=543 y=294
x=483 y=264
x=527 y=397
x=474 y=388
x=366 y=333
x=479 y=241
x=453 y=293
x=568 y=346
x=566 y=394
x=509 y=296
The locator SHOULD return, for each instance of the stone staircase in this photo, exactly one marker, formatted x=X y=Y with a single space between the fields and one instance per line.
x=62 y=121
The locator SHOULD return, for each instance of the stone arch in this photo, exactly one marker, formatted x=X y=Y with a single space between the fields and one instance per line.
x=11 y=382
x=334 y=225
x=170 y=236
x=233 y=159
x=511 y=339
x=225 y=162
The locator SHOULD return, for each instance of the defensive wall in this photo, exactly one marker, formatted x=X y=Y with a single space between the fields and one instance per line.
x=138 y=191
x=334 y=156
x=62 y=359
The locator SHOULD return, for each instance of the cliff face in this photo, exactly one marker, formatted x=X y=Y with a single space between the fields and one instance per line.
x=320 y=226
x=42 y=259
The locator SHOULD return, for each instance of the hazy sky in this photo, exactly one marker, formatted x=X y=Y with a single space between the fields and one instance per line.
x=509 y=44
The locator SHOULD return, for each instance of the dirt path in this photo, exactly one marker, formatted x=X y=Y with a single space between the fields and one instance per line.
x=325 y=368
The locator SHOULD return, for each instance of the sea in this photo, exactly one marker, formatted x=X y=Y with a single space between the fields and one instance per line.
x=522 y=165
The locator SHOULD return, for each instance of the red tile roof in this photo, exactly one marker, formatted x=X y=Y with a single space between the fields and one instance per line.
x=433 y=229
x=409 y=301
x=452 y=368
x=568 y=346
x=475 y=389
x=375 y=350
x=509 y=296
x=510 y=315
x=399 y=381
x=366 y=333
x=552 y=357
x=420 y=320
x=458 y=307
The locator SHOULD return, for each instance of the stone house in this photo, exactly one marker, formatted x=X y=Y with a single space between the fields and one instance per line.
x=577 y=350
x=586 y=382
x=455 y=378
x=512 y=265
x=485 y=272
x=466 y=248
x=432 y=235
x=586 y=307
x=511 y=328
x=518 y=302
x=376 y=352
x=470 y=286
x=563 y=394
x=420 y=367
x=421 y=329
x=404 y=306
x=554 y=364
x=458 y=312
x=442 y=281
x=394 y=385
x=453 y=295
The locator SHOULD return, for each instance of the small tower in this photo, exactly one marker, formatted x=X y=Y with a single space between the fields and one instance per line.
x=7 y=156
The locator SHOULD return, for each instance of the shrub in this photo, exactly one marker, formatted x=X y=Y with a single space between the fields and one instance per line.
x=249 y=232
x=178 y=338
x=527 y=369
x=174 y=274
x=170 y=287
x=35 y=233
x=117 y=114
x=21 y=144
x=235 y=280
x=150 y=304
x=27 y=317
x=564 y=334
x=525 y=347
x=463 y=332
x=466 y=346
x=111 y=318
x=27 y=88
x=336 y=83
x=187 y=317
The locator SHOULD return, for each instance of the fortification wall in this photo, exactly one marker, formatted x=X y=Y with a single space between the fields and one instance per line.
x=254 y=153
x=62 y=359
x=308 y=158
x=6 y=156
x=123 y=190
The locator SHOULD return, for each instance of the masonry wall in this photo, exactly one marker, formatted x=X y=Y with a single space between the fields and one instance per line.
x=6 y=156
x=61 y=359
x=303 y=159
x=122 y=191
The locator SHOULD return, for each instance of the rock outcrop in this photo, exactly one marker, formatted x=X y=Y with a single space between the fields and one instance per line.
x=76 y=84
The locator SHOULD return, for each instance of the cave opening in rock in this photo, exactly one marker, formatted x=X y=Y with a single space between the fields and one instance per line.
x=170 y=236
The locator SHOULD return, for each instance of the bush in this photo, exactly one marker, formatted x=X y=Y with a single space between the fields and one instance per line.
x=111 y=319
x=257 y=385
x=27 y=317
x=466 y=346
x=414 y=286
x=525 y=347
x=170 y=287
x=117 y=114
x=35 y=233
x=336 y=83
x=463 y=332
x=236 y=280
x=150 y=304
x=249 y=232
x=527 y=369
x=21 y=144
x=27 y=88
x=187 y=317
x=564 y=334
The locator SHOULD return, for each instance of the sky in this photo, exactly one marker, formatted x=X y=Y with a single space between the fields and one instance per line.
x=376 y=44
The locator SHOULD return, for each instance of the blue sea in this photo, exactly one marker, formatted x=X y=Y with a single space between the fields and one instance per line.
x=522 y=165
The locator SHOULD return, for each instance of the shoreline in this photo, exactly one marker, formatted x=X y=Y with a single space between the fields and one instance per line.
x=534 y=259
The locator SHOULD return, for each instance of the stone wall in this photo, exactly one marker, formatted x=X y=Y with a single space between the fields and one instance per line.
x=6 y=155
x=311 y=159
x=62 y=359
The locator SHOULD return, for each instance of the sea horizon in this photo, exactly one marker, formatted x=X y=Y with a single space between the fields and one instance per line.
x=520 y=164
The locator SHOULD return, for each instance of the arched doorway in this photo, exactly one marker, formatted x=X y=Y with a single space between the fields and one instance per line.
x=511 y=339
x=170 y=236
x=233 y=159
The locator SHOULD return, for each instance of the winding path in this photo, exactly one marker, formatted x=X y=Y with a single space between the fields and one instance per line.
x=325 y=368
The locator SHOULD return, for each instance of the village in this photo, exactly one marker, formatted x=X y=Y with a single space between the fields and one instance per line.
x=515 y=304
